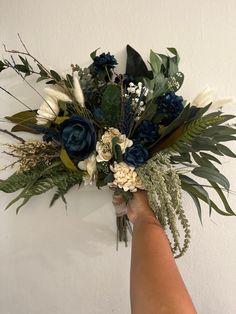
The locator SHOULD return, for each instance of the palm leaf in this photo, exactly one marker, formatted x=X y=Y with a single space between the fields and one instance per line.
x=192 y=187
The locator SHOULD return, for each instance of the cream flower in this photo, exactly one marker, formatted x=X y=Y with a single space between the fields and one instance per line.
x=48 y=111
x=104 y=146
x=88 y=165
x=206 y=97
x=125 y=177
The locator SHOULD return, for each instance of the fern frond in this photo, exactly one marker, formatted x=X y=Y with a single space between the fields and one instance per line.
x=63 y=186
x=190 y=132
x=19 y=180
x=39 y=180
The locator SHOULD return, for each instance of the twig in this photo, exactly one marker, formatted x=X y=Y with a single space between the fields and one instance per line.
x=10 y=165
x=15 y=98
x=31 y=86
x=13 y=135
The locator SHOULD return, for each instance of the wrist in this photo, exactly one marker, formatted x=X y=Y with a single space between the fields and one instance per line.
x=147 y=217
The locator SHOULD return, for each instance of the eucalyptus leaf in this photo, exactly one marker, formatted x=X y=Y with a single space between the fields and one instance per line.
x=155 y=62
x=175 y=82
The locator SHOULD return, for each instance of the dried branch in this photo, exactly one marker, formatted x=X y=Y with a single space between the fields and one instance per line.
x=13 y=135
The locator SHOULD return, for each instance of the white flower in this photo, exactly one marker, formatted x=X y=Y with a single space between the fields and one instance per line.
x=207 y=96
x=57 y=93
x=88 y=165
x=125 y=177
x=78 y=93
x=48 y=111
x=104 y=146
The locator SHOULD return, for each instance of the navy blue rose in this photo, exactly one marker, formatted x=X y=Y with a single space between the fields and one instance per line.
x=147 y=132
x=170 y=106
x=136 y=155
x=78 y=137
x=105 y=60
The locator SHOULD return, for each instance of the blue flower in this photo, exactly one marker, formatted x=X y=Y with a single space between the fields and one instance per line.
x=105 y=60
x=136 y=155
x=170 y=106
x=78 y=137
x=98 y=114
x=147 y=132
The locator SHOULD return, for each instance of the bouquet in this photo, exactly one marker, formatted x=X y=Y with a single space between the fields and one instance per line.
x=127 y=131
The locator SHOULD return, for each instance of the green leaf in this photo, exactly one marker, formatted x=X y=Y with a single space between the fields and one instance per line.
x=226 y=151
x=55 y=75
x=69 y=81
x=202 y=161
x=135 y=65
x=212 y=175
x=210 y=157
x=2 y=66
x=104 y=174
x=193 y=187
x=197 y=204
x=111 y=105
x=155 y=62
x=45 y=178
x=223 y=198
x=175 y=53
x=175 y=82
x=94 y=53
x=24 y=120
x=42 y=71
x=182 y=157
x=41 y=78
x=217 y=130
x=22 y=68
x=23 y=117
x=116 y=149
x=64 y=186
x=19 y=180
x=67 y=161
x=224 y=138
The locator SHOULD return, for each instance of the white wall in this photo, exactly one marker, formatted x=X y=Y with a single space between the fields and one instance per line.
x=57 y=263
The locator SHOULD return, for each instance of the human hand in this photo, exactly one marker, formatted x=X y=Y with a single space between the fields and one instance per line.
x=138 y=206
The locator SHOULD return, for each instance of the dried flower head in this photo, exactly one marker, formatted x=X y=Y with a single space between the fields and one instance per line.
x=30 y=153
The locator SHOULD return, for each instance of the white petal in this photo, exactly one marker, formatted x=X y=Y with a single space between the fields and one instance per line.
x=82 y=165
x=204 y=98
x=46 y=115
x=41 y=121
x=78 y=93
x=55 y=93
x=222 y=102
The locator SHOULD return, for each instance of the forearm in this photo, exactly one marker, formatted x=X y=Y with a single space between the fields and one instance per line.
x=156 y=285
